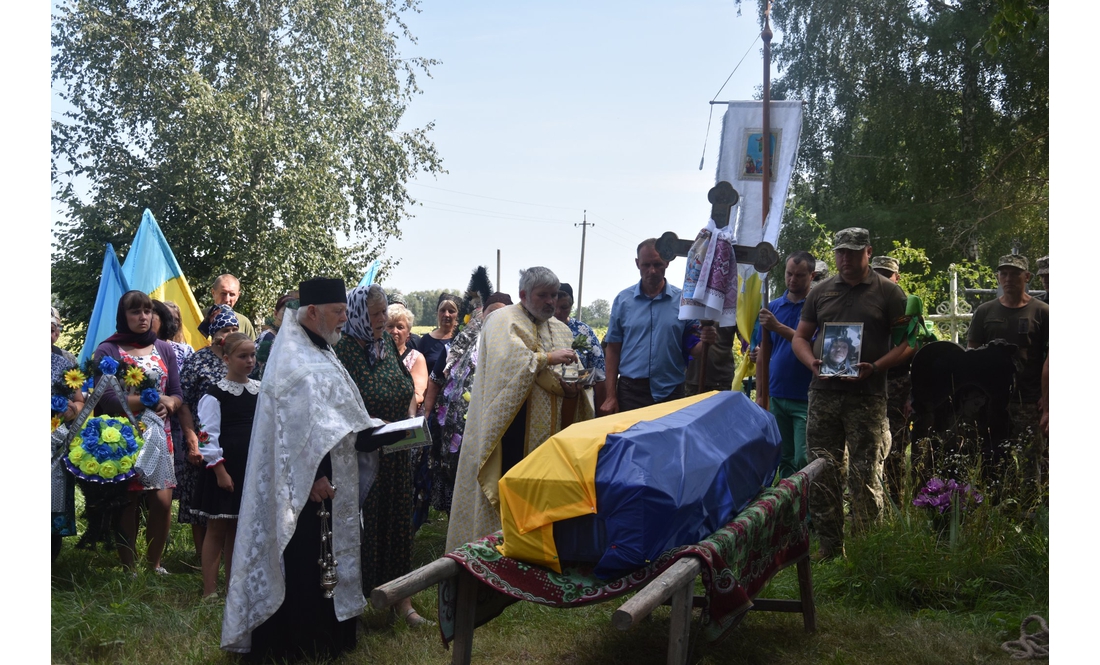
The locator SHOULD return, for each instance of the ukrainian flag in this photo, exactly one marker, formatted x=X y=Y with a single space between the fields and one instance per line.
x=618 y=491
x=111 y=287
x=151 y=267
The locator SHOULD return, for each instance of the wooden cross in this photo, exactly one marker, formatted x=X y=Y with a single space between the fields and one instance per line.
x=722 y=198
x=762 y=257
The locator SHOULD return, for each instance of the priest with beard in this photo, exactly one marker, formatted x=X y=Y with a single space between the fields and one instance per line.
x=302 y=459
x=517 y=401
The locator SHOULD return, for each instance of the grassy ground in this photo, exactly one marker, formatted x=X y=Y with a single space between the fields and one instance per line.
x=902 y=596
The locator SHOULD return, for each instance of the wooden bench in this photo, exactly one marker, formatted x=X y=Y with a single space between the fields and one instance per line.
x=674 y=586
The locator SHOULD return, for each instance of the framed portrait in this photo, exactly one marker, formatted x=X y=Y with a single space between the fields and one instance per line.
x=752 y=160
x=841 y=345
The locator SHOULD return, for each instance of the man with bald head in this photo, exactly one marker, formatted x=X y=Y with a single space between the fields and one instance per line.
x=226 y=291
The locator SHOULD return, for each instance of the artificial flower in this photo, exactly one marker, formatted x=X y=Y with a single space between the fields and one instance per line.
x=76 y=455
x=108 y=365
x=89 y=467
x=125 y=464
x=87 y=386
x=466 y=396
x=109 y=469
x=133 y=377
x=74 y=378
x=55 y=422
x=58 y=403
x=150 y=397
x=111 y=435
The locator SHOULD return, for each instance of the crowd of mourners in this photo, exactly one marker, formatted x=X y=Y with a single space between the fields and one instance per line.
x=262 y=431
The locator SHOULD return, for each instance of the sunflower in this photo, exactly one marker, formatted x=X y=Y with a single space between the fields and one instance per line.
x=74 y=378
x=133 y=377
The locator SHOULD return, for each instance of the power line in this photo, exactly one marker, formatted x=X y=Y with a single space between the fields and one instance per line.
x=493 y=198
x=502 y=216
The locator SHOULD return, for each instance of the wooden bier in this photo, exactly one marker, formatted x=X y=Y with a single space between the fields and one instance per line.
x=675 y=586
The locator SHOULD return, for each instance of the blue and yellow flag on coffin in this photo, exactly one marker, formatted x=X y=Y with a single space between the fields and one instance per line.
x=151 y=267
x=618 y=491
x=111 y=287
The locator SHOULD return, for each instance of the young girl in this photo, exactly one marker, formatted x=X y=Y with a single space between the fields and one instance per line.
x=225 y=415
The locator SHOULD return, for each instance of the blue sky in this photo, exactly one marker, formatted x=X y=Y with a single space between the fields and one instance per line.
x=542 y=112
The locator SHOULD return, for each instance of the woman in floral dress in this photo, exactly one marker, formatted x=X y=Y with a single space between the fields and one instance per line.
x=135 y=343
x=370 y=355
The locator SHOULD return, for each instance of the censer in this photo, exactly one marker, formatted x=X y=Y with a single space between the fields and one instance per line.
x=327 y=561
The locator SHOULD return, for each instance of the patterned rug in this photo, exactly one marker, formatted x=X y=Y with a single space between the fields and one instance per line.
x=738 y=560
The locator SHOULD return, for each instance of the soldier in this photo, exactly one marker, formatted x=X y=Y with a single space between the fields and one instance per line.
x=898 y=388
x=1019 y=319
x=849 y=412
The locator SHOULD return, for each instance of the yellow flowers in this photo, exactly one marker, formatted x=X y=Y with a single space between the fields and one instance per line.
x=76 y=456
x=74 y=378
x=466 y=396
x=133 y=377
x=88 y=465
x=109 y=469
x=110 y=435
x=55 y=422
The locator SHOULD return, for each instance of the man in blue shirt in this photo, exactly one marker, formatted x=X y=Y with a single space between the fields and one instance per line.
x=648 y=346
x=788 y=379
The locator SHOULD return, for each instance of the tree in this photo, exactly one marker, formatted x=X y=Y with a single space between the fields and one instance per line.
x=916 y=130
x=263 y=135
x=598 y=314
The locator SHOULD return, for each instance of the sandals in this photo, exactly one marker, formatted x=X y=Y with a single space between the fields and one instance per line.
x=413 y=620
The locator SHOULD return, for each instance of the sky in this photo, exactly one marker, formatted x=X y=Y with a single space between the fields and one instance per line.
x=543 y=112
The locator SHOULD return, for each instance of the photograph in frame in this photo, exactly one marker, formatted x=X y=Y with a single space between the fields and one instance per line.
x=841 y=346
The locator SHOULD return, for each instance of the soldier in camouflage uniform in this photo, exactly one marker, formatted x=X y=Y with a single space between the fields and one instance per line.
x=898 y=387
x=1019 y=319
x=848 y=414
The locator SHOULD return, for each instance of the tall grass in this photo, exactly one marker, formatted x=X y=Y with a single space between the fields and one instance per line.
x=903 y=595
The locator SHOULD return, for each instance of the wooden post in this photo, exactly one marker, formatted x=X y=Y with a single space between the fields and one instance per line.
x=680 y=574
x=806 y=595
x=463 y=645
x=679 y=629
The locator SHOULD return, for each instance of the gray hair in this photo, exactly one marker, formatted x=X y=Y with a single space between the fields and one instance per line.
x=399 y=311
x=376 y=296
x=532 y=278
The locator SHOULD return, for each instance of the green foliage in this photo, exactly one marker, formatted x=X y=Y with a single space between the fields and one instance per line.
x=262 y=135
x=913 y=131
x=423 y=305
x=597 y=314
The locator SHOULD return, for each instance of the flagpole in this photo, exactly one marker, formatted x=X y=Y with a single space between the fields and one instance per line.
x=765 y=351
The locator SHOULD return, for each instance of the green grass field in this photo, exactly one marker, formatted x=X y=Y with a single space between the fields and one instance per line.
x=902 y=596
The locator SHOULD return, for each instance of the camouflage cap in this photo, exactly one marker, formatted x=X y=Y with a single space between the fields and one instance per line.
x=851 y=238
x=885 y=263
x=1042 y=265
x=1012 y=261
x=821 y=270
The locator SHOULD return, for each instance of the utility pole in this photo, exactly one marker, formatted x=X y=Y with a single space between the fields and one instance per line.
x=498 y=270
x=580 y=283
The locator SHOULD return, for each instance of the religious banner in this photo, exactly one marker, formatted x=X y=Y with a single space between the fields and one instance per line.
x=741 y=163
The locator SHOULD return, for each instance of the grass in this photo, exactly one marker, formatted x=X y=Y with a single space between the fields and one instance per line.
x=901 y=596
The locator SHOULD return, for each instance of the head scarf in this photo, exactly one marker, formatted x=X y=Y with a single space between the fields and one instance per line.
x=358 y=324
x=224 y=317
x=123 y=334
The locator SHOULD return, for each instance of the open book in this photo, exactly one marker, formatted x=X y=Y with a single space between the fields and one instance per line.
x=416 y=434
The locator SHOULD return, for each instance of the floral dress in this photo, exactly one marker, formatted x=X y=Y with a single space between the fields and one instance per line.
x=202 y=371
x=163 y=476
x=387 y=389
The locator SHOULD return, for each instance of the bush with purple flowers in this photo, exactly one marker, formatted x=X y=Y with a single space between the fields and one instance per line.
x=940 y=495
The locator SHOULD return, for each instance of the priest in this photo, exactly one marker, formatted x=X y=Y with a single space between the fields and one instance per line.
x=302 y=463
x=517 y=401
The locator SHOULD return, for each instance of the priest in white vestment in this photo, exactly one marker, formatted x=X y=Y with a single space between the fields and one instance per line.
x=302 y=456
x=516 y=404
